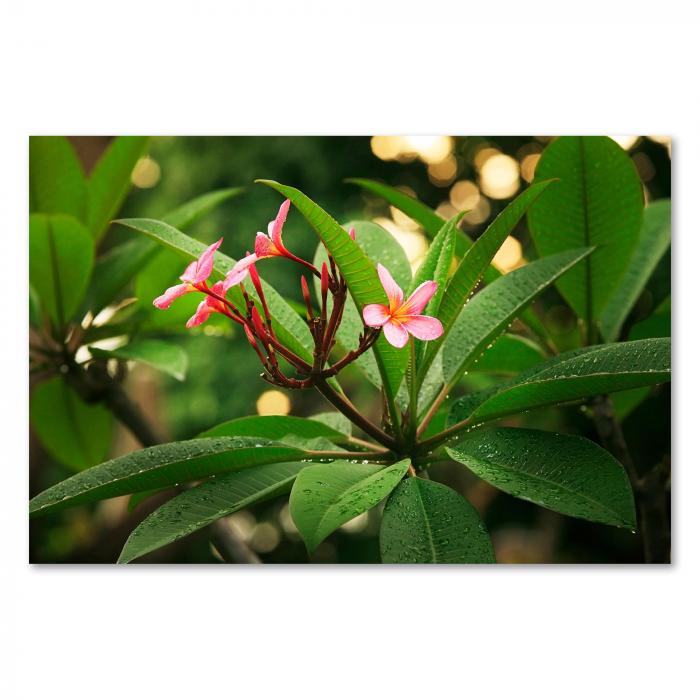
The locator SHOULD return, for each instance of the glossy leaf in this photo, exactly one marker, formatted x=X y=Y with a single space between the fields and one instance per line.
x=379 y=245
x=286 y=429
x=476 y=262
x=654 y=240
x=572 y=376
x=193 y=210
x=76 y=433
x=597 y=202
x=202 y=505
x=163 y=465
x=56 y=179
x=492 y=310
x=565 y=473
x=335 y=421
x=110 y=181
x=509 y=354
x=325 y=496
x=165 y=357
x=360 y=274
x=425 y=522
x=60 y=264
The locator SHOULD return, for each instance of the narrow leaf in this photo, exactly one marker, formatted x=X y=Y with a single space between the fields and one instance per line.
x=425 y=522
x=325 y=496
x=509 y=354
x=160 y=466
x=492 y=310
x=60 y=264
x=565 y=473
x=654 y=240
x=110 y=181
x=202 y=505
x=283 y=429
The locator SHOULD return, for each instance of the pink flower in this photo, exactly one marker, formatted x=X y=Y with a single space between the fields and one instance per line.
x=208 y=306
x=400 y=317
x=195 y=274
x=267 y=245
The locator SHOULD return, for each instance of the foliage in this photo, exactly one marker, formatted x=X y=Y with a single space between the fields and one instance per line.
x=598 y=244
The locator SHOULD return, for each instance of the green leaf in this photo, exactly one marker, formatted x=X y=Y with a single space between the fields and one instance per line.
x=565 y=473
x=378 y=244
x=360 y=274
x=290 y=328
x=285 y=429
x=165 y=357
x=572 y=376
x=598 y=202
x=202 y=505
x=190 y=212
x=325 y=496
x=476 y=262
x=77 y=434
x=110 y=181
x=509 y=354
x=425 y=522
x=492 y=310
x=334 y=420
x=56 y=180
x=115 y=269
x=60 y=264
x=412 y=207
x=160 y=466
x=654 y=240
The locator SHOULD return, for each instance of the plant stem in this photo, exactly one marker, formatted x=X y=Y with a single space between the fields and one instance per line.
x=413 y=394
x=649 y=489
x=348 y=410
x=433 y=410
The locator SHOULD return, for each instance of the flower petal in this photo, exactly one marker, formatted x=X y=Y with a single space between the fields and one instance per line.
x=239 y=271
x=275 y=227
x=393 y=291
x=419 y=299
x=375 y=315
x=170 y=294
x=203 y=266
x=204 y=310
x=395 y=333
x=264 y=247
x=423 y=327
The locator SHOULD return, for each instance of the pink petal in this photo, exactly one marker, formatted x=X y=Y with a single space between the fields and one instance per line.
x=203 y=266
x=419 y=299
x=393 y=291
x=396 y=334
x=170 y=294
x=275 y=227
x=264 y=247
x=204 y=310
x=351 y=233
x=375 y=315
x=239 y=271
x=423 y=327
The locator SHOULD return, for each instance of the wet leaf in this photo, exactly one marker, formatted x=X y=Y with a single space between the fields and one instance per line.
x=425 y=522
x=565 y=473
x=325 y=496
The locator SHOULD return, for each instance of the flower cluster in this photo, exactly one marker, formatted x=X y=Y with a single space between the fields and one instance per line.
x=397 y=319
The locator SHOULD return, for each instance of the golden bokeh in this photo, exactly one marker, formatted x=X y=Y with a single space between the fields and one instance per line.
x=146 y=173
x=528 y=165
x=273 y=403
x=500 y=176
x=625 y=141
x=479 y=213
x=412 y=241
x=483 y=154
x=430 y=149
x=444 y=172
x=464 y=195
x=509 y=255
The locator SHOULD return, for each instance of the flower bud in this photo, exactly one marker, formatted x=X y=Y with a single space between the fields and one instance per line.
x=351 y=233
x=324 y=279
x=258 y=324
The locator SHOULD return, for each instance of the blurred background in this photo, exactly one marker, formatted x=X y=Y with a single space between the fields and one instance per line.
x=481 y=174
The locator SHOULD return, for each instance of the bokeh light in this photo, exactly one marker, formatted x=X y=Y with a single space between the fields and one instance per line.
x=273 y=403
x=146 y=173
x=500 y=176
x=464 y=195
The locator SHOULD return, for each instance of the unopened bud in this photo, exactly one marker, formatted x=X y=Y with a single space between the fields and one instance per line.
x=305 y=292
x=258 y=324
x=324 y=279
x=352 y=233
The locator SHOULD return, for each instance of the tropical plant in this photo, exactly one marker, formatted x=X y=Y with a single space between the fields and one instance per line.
x=416 y=337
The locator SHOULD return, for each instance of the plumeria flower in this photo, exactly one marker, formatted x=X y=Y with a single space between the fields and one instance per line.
x=195 y=275
x=400 y=317
x=267 y=245
x=208 y=306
